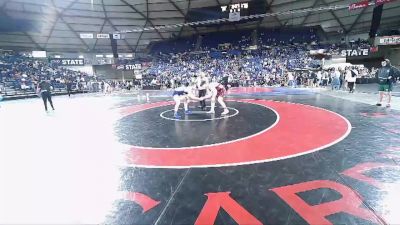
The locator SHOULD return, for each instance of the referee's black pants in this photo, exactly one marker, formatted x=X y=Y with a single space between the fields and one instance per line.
x=46 y=96
x=202 y=93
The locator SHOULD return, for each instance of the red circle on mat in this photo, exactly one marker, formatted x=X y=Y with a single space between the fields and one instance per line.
x=300 y=129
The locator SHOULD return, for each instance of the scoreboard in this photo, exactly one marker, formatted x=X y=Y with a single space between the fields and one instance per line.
x=239 y=9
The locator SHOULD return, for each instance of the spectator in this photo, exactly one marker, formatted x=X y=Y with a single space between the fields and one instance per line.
x=351 y=76
x=335 y=74
x=387 y=75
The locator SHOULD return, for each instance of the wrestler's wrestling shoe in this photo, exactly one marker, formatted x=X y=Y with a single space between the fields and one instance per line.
x=188 y=112
x=211 y=112
x=177 y=116
x=225 y=112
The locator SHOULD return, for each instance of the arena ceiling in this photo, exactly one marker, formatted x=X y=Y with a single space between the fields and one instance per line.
x=58 y=23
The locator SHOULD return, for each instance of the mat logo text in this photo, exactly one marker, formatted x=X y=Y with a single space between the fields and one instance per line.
x=350 y=201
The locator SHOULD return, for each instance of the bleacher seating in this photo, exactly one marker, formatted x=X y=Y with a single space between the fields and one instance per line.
x=240 y=38
x=287 y=36
x=175 y=45
x=20 y=74
x=279 y=51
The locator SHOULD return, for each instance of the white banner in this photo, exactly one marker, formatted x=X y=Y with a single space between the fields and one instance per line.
x=116 y=36
x=389 y=40
x=317 y=52
x=129 y=67
x=355 y=52
x=103 y=36
x=133 y=67
x=234 y=16
x=39 y=54
x=86 y=35
x=67 y=62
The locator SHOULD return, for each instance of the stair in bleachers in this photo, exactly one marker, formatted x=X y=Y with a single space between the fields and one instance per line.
x=198 y=42
x=254 y=37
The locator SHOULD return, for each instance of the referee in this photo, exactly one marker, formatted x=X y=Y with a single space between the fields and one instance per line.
x=69 y=86
x=44 y=88
x=202 y=83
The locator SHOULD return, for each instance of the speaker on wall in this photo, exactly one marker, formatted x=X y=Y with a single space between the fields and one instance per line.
x=114 y=46
x=376 y=20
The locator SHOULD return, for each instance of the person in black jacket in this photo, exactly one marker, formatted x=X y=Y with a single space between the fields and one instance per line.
x=44 y=88
x=69 y=86
x=387 y=75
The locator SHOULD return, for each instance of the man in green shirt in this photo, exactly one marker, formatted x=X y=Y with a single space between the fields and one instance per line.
x=387 y=75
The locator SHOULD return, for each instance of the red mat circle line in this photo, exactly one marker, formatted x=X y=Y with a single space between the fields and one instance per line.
x=229 y=154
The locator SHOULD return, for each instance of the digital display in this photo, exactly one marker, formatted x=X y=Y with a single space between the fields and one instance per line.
x=245 y=8
x=238 y=7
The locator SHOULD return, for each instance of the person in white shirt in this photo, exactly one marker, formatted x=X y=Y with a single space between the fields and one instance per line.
x=319 y=78
x=291 y=81
x=153 y=82
x=351 y=76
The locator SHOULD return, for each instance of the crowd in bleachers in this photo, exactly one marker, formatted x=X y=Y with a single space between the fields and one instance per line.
x=280 y=58
x=21 y=72
x=246 y=66
x=277 y=52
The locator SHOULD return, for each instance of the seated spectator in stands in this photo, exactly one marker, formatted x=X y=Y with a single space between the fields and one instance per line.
x=21 y=72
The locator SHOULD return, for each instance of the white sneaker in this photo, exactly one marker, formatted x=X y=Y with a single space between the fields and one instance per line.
x=211 y=112
x=226 y=111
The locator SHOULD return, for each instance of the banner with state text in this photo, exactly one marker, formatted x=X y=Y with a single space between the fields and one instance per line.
x=67 y=62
